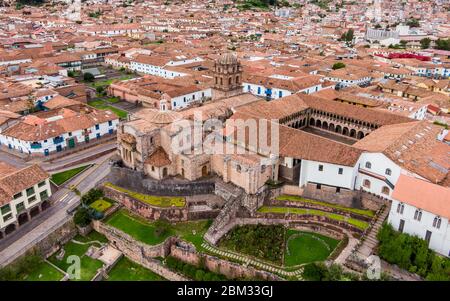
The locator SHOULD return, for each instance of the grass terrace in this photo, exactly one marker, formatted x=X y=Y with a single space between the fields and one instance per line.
x=294 y=198
x=157 y=201
x=300 y=211
x=278 y=245
x=64 y=176
x=101 y=205
x=78 y=246
x=153 y=233
x=127 y=270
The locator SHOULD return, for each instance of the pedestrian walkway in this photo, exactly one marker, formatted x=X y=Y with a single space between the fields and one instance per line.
x=259 y=264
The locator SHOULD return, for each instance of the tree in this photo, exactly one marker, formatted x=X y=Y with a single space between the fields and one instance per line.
x=413 y=23
x=442 y=44
x=338 y=65
x=425 y=43
x=403 y=43
x=88 y=77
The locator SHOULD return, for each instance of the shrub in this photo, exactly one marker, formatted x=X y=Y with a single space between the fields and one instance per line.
x=82 y=217
x=89 y=77
x=91 y=196
x=338 y=65
x=161 y=228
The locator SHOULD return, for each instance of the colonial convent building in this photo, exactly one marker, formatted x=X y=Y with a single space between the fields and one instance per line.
x=326 y=149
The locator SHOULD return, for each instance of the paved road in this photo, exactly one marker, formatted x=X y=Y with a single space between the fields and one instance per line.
x=58 y=164
x=17 y=243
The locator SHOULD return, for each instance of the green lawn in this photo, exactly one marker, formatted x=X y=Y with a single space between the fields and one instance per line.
x=305 y=247
x=103 y=105
x=61 y=177
x=294 y=198
x=89 y=266
x=127 y=270
x=91 y=237
x=158 y=201
x=44 y=272
x=300 y=211
x=137 y=227
x=144 y=230
x=101 y=205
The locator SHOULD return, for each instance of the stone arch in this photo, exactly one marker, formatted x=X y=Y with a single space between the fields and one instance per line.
x=325 y=125
x=353 y=133
x=360 y=135
x=164 y=172
x=10 y=228
x=331 y=127
x=345 y=131
x=35 y=211
x=318 y=123
x=45 y=205
x=338 y=129
x=312 y=121
x=22 y=218
x=204 y=171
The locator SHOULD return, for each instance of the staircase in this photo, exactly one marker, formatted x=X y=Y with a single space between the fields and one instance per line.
x=370 y=239
x=233 y=197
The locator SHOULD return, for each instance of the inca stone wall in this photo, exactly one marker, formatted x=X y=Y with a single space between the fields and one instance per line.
x=136 y=181
x=345 y=197
x=173 y=214
x=229 y=269
x=138 y=252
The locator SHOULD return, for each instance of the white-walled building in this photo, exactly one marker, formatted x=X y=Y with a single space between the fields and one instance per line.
x=422 y=209
x=58 y=130
x=24 y=193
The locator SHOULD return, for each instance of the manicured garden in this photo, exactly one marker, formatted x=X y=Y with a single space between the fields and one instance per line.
x=127 y=270
x=294 y=198
x=279 y=245
x=157 y=201
x=305 y=247
x=156 y=232
x=301 y=211
x=62 y=177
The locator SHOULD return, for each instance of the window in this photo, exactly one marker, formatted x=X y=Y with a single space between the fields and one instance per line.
x=318 y=186
x=400 y=208
x=385 y=190
x=340 y=171
x=17 y=195
x=110 y=123
x=366 y=183
x=338 y=189
x=41 y=184
x=30 y=191
x=44 y=195
x=368 y=165
x=321 y=167
x=437 y=222
x=7 y=217
x=238 y=168
x=5 y=209
x=388 y=172
x=153 y=168
x=20 y=207
x=97 y=126
x=32 y=199
x=418 y=215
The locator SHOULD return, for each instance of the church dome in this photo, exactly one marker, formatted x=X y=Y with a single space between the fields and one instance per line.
x=228 y=59
x=158 y=117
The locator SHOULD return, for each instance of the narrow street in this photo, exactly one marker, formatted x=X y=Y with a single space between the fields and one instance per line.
x=18 y=243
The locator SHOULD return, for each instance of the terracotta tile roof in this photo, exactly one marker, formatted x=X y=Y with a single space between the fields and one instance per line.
x=158 y=158
x=13 y=181
x=423 y=195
